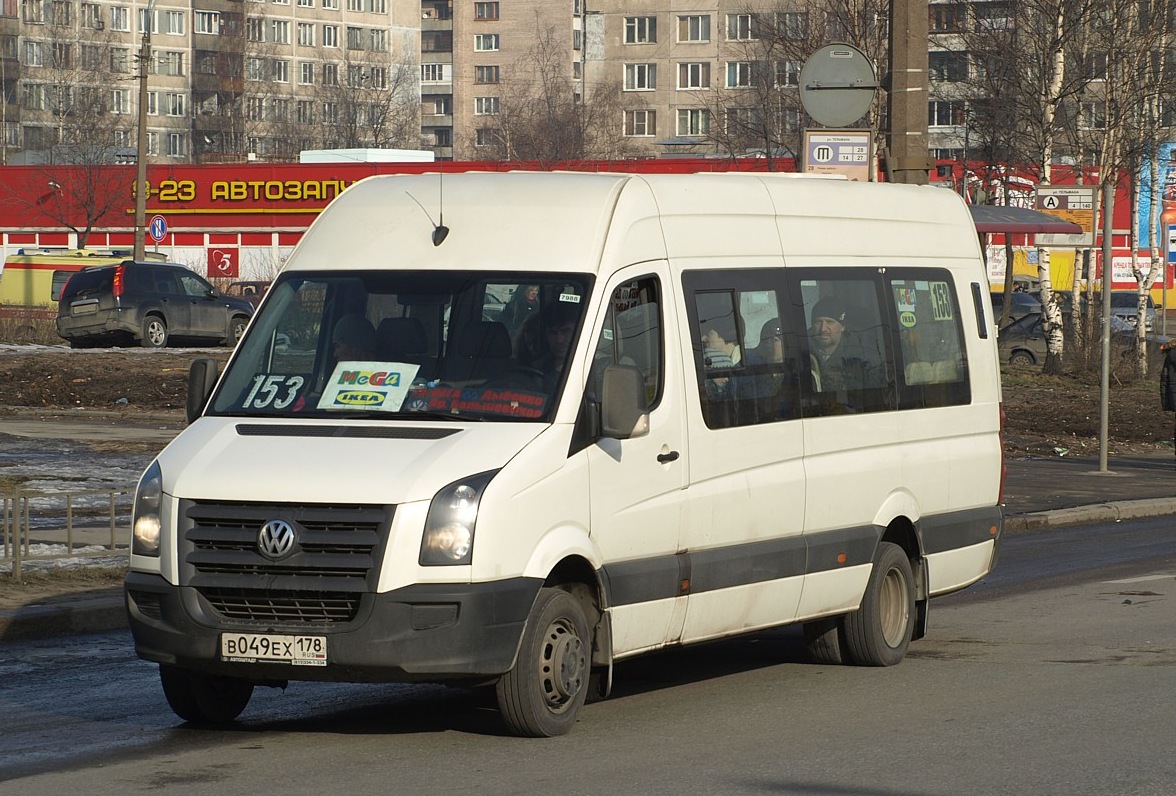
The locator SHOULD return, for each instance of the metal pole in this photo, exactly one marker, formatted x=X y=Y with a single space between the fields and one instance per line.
x=141 y=163
x=1104 y=390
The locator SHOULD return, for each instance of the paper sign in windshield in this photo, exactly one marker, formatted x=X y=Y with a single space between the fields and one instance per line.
x=368 y=386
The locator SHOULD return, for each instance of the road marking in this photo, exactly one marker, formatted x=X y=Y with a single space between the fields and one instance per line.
x=1142 y=579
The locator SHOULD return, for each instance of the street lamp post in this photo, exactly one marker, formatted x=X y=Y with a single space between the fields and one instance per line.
x=141 y=162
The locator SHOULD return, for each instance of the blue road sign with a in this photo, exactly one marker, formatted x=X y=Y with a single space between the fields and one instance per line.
x=158 y=228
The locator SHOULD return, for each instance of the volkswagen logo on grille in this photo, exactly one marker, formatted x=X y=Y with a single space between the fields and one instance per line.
x=276 y=539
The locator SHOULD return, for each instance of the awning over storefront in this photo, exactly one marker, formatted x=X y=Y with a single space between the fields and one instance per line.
x=1019 y=221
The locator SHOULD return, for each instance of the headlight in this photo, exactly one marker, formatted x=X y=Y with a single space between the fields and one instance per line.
x=145 y=521
x=449 y=528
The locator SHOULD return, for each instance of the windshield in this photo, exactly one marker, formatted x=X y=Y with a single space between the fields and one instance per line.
x=411 y=344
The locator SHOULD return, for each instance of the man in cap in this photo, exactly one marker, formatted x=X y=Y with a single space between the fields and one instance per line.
x=835 y=365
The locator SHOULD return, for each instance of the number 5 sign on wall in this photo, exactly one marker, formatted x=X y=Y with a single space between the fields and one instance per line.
x=222 y=262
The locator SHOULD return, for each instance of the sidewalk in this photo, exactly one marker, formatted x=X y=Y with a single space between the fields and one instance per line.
x=1040 y=493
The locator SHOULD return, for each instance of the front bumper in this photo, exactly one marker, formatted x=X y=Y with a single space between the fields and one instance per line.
x=421 y=633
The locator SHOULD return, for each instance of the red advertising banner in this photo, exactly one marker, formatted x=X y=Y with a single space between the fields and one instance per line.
x=224 y=262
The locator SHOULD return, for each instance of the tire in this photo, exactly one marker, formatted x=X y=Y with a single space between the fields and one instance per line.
x=204 y=698
x=542 y=695
x=1022 y=359
x=236 y=329
x=823 y=640
x=154 y=332
x=879 y=632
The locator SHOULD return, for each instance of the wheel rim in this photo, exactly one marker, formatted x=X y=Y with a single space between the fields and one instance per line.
x=561 y=665
x=155 y=333
x=894 y=607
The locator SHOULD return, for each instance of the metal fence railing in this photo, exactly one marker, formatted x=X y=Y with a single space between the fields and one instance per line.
x=46 y=525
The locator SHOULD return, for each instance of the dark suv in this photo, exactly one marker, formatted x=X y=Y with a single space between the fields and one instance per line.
x=151 y=303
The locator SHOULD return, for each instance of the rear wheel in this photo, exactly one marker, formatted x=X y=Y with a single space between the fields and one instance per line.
x=542 y=695
x=154 y=332
x=878 y=633
x=236 y=329
x=1021 y=358
x=204 y=698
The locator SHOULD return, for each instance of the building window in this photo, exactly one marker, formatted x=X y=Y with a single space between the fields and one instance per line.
x=91 y=15
x=120 y=60
x=486 y=10
x=34 y=53
x=946 y=17
x=950 y=67
x=486 y=74
x=175 y=104
x=1096 y=66
x=486 y=42
x=281 y=69
x=640 y=123
x=169 y=63
x=354 y=38
x=152 y=103
x=486 y=106
x=693 y=121
x=306 y=3
x=484 y=136
x=379 y=77
x=330 y=74
x=280 y=31
x=1094 y=115
x=443 y=136
x=305 y=34
x=694 y=75
x=739 y=74
x=945 y=113
x=331 y=5
x=379 y=40
x=120 y=101
x=206 y=22
x=737 y=120
x=788 y=73
x=330 y=35
x=640 y=77
x=794 y=25
x=175 y=145
x=640 y=30
x=173 y=23
x=255 y=29
x=33 y=12
x=306 y=73
x=434 y=73
x=355 y=5
x=148 y=20
x=694 y=28
x=120 y=19
x=330 y=112
x=255 y=69
x=305 y=112
x=739 y=27
x=152 y=143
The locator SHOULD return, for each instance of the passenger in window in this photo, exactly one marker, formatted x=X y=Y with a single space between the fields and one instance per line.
x=720 y=351
x=354 y=338
x=528 y=341
x=522 y=305
x=837 y=363
x=769 y=351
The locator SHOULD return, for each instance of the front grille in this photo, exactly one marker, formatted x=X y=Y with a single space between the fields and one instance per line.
x=282 y=607
x=334 y=561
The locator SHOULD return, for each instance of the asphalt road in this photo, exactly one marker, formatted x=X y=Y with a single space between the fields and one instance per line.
x=1053 y=676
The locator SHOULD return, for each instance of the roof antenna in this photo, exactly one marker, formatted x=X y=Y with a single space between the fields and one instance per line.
x=440 y=231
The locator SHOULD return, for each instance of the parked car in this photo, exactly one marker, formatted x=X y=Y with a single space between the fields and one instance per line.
x=148 y=303
x=1022 y=342
x=1125 y=305
x=1022 y=304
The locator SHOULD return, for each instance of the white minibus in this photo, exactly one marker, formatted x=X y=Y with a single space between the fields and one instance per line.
x=511 y=429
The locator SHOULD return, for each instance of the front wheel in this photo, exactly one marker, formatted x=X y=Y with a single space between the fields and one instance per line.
x=154 y=332
x=879 y=632
x=204 y=698
x=236 y=330
x=542 y=695
x=1021 y=359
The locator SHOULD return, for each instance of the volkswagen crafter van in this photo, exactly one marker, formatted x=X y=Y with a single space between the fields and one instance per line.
x=743 y=401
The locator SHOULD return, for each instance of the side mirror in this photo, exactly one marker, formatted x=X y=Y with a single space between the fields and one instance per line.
x=201 y=379
x=622 y=408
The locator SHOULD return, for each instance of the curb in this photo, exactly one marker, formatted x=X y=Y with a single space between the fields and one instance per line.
x=1112 y=511
x=104 y=611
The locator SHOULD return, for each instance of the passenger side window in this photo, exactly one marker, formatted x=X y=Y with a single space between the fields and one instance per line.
x=745 y=352
x=849 y=362
x=934 y=366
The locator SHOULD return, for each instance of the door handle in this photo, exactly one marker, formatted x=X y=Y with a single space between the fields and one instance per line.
x=666 y=458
